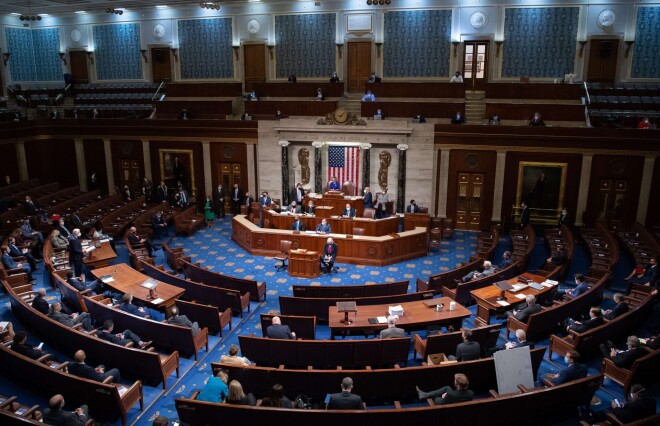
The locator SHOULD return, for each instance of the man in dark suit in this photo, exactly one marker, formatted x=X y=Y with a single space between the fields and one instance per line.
x=278 y=331
x=39 y=302
x=76 y=252
x=595 y=320
x=70 y=319
x=158 y=224
x=249 y=199
x=639 y=406
x=328 y=256
x=650 y=275
x=236 y=197
x=55 y=415
x=161 y=192
x=412 y=207
x=123 y=338
x=80 y=369
x=64 y=231
x=447 y=395
x=458 y=118
x=524 y=215
x=521 y=340
x=368 y=198
x=31 y=207
x=294 y=208
x=558 y=259
x=620 y=308
x=298 y=225
x=530 y=307
x=15 y=251
x=345 y=400
x=565 y=218
x=626 y=358
x=264 y=203
x=75 y=221
x=80 y=284
x=311 y=208
x=135 y=240
x=182 y=320
x=468 y=350
x=507 y=260
x=219 y=202
x=349 y=211
x=298 y=194
x=392 y=330
x=128 y=306
x=20 y=345
x=581 y=287
x=574 y=371
x=10 y=263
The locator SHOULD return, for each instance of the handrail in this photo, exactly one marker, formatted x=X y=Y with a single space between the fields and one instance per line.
x=10 y=89
x=162 y=83
x=586 y=91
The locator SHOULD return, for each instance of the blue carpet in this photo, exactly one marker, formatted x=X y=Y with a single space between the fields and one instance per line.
x=214 y=249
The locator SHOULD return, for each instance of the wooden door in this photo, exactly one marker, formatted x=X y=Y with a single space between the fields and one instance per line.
x=469 y=201
x=612 y=201
x=603 y=56
x=229 y=174
x=359 y=65
x=161 y=65
x=475 y=65
x=79 y=70
x=254 y=64
x=131 y=175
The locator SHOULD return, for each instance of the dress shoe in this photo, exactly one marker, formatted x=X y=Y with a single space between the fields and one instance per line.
x=145 y=344
x=420 y=394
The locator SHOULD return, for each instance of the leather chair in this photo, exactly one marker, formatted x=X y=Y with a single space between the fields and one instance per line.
x=348 y=188
x=285 y=246
x=358 y=231
x=447 y=227
x=369 y=213
x=435 y=239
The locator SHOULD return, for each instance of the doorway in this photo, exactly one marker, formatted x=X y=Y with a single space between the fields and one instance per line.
x=469 y=201
x=79 y=70
x=229 y=174
x=254 y=64
x=475 y=65
x=161 y=65
x=359 y=66
x=131 y=175
x=603 y=54
x=612 y=201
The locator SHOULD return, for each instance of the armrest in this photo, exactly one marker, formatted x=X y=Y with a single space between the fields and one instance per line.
x=547 y=382
x=493 y=393
x=523 y=389
x=44 y=357
x=8 y=401
x=108 y=379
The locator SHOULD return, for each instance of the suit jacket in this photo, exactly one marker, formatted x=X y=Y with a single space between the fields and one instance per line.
x=76 y=283
x=570 y=373
x=323 y=228
x=524 y=217
x=619 y=309
x=412 y=208
x=8 y=261
x=75 y=249
x=111 y=337
x=264 y=202
x=524 y=313
x=133 y=239
x=59 y=242
x=75 y=221
x=64 y=231
x=581 y=288
x=239 y=196
x=505 y=263
x=468 y=351
x=588 y=324
x=350 y=212
x=625 y=359
x=84 y=370
x=161 y=193
x=455 y=396
x=301 y=225
x=636 y=410
x=650 y=274
x=132 y=309
x=31 y=208
x=310 y=210
x=157 y=221
x=183 y=321
x=294 y=195
x=334 y=186
x=63 y=418
x=279 y=331
x=345 y=401
x=26 y=230
x=40 y=304
x=62 y=318
x=294 y=210
x=14 y=251
x=249 y=201
x=368 y=200
x=333 y=250
x=392 y=332
x=27 y=350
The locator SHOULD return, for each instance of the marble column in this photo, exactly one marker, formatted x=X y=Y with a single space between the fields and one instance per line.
x=22 y=161
x=80 y=164
x=401 y=190
x=208 y=175
x=583 y=192
x=285 y=172
x=499 y=187
x=645 y=189
x=110 y=173
x=147 y=161
x=444 y=183
x=366 y=164
x=318 y=184
x=251 y=175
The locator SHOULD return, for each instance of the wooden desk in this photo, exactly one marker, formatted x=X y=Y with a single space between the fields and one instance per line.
x=291 y=107
x=338 y=203
x=413 y=220
x=339 y=225
x=299 y=89
x=128 y=280
x=487 y=298
x=416 y=315
x=100 y=257
x=305 y=265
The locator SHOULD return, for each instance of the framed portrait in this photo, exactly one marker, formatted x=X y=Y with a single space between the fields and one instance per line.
x=541 y=186
x=177 y=165
x=359 y=23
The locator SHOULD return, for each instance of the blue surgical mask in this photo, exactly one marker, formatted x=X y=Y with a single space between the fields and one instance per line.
x=567 y=360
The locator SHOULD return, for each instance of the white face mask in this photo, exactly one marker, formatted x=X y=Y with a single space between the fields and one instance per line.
x=567 y=360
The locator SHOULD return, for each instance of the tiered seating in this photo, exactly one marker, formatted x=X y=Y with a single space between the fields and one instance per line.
x=339 y=291
x=446 y=343
x=486 y=244
x=256 y=290
x=558 y=238
x=115 y=222
x=624 y=103
x=523 y=243
x=436 y=282
x=460 y=292
x=12 y=411
x=189 y=221
x=432 y=100
x=644 y=370
x=604 y=249
x=304 y=327
x=174 y=256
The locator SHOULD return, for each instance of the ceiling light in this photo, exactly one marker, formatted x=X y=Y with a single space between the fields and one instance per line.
x=15 y=14
x=80 y=12
x=161 y=6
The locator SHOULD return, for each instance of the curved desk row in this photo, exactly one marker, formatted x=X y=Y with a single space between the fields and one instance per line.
x=339 y=225
x=361 y=250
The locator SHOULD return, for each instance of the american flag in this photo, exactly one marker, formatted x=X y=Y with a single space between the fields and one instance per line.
x=344 y=163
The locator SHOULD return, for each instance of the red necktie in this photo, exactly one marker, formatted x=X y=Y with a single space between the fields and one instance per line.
x=329 y=249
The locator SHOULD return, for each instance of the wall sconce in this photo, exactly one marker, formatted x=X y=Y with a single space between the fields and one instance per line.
x=339 y=46
x=144 y=55
x=175 y=53
x=90 y=56
x=498 y=44
x=582 y=44
x=455 y=44
x=629 y=44
x=270 y=50
x=236 y=50
x=5 y=58
x=62 y=57
x=378 y=46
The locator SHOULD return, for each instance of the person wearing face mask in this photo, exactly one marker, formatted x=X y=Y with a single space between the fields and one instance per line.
x=638 y=406
x=368 y=199
x=573 y=371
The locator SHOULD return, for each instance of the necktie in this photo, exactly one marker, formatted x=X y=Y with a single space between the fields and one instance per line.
x=329 y=249
x=297 y=223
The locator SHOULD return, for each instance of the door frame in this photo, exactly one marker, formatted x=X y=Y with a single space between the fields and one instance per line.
x=621 y=60
x=267 y=61
x=173 y=68
x=91 y=71
x=344 y=57
x=491 y=65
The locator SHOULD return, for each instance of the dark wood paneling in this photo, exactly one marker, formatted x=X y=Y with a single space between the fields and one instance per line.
x=304 y=90
x=126 y=150
x=652 y=215
x=195 y=146
x=472 y=162
x=603 y=56
x=532 y=91
x=9 y=163
x=525 y=111
x=358 y=65
x=230 y=153
x=417 y=90
x=626 y=168
x=306 y=108
x=95 y=161
x=573 y=173
x=52 y=160
x=209 y=110
x=192 y=90
x=411 y=109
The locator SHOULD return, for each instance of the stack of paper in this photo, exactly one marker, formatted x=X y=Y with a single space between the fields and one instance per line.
x=503 y=303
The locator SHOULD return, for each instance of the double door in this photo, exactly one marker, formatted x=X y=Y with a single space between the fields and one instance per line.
x=475 y=65
x=229 y=174
x=469 y=201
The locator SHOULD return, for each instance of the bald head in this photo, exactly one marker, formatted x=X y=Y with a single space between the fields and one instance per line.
x=79 y=356
x=56 y=402
x=277 y=320
x=133 y=229
x=41 y=292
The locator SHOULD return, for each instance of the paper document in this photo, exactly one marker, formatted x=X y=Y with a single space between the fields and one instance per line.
x=503 y=303
x=106 y=279
x=157 y=301
x=518 y=287
x=521 y=296
x=381 y=320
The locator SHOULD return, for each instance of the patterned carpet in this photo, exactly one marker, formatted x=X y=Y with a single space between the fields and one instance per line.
x=214 y=249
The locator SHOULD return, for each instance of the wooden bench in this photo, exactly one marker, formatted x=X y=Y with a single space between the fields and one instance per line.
x=189 y=221
x=446 y=343
x=324 y=353
x=365 y=290
x=644 y=371
x=461 y=293
x=587 y=343
x=72 y=296
x=256 y=290
x=15 y=410
x=487 y=244
x=206 y=315
x=558 y=239
x=221 y=298
x=175 y=337
x=447 y=279
x=173 y=257
x=304 y=327
x=603 y=247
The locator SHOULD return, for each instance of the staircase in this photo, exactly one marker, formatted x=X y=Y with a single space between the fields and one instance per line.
x=475 y=107
x=351 y=103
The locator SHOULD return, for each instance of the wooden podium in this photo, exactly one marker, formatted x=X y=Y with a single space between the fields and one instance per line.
x=304 y=264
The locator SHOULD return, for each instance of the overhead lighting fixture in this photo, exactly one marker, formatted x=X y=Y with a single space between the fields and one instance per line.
x=161 y=6
x=15 y=14
x=44 y=14
x=80 y=12
x=115 y=11
x=30 y=18
x=209 y=5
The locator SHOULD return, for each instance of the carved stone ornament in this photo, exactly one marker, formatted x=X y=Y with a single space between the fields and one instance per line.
x=606 y=18
x=159 y=31
x=341 y=116
x=478 y=20
x=253 y=26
